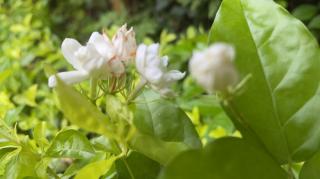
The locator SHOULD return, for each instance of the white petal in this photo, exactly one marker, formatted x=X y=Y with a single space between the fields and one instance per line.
x=165 y=61
x=120 y=32
x=68 y=48
x=93 y=61
x=153 y=75
x=70 y=77
x=52 y=81
x=90 y=66
x=175 y=75
x=93 y=51
x=141 y=58
x=102 y=44
x=153 y=49
x=153 y=68
x=118 y=38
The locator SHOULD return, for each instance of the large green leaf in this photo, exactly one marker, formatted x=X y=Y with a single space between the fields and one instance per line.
x=282 y=99
x=70 y=143
x=164 y=119
x=163 y=127
x=131 y=167
x=224 y=158
x=81 y=112
x=311 y=168
x=157 y=149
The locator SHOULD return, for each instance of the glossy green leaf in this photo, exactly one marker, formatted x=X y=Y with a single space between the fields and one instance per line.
x=311 y=168
x=223 y=159
x=282 y=99
x=104 y=144
x=81 y=112
x=39 y=135
x=163 y=127
x=96 y=169
x=70 y=143
x=22 y=164
x=163 y=119
x=6 y=154
x=137 y=166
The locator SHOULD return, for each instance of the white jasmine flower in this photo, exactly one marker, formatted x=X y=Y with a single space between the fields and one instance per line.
x=109 y=53
x=153 y=68
x=87 y=61
x=100 y=58
x=117 y=52
x=213 y=67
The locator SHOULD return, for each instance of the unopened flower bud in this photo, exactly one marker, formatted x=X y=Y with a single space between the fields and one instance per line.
x=124 y=42
x=213 y=68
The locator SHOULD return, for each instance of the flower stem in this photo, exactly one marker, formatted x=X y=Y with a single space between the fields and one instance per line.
x=290 y=172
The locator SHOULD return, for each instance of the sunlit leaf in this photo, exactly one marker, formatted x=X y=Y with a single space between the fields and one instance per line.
x=103 y=143
x=157 y=149
x=164 y=119
x=70 y=143
x=82 y=112
x=6 y=154
x=27 y=97
x=95 y=169
x=163 y=127
x=39 y=134
x=22 y=164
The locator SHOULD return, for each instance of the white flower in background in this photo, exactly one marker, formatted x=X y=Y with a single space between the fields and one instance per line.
x=213 y=67
x=100 y=58
x=153 y=69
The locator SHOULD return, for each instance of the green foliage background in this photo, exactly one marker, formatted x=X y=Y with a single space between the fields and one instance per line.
x=31 y=32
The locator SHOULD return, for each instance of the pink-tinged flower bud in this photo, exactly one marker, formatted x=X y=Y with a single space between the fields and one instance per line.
x=124 y=42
